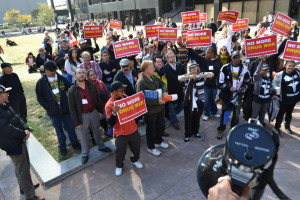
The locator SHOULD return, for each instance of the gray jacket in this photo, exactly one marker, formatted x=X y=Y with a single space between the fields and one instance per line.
x=277 y=81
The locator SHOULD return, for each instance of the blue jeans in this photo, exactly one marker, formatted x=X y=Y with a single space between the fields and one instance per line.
x=107 y=86
x=174 y=109
x=65 y=121
x=210 y=106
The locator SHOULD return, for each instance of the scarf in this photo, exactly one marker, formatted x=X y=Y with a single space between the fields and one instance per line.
x=224 y=59
x=161 y=73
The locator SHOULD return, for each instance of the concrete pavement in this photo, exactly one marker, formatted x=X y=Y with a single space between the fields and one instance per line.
x=170 y=176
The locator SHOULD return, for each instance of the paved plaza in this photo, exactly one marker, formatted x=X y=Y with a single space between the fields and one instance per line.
x=170 y=176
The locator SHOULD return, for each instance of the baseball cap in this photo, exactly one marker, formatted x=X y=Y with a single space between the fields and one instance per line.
x=124 y=62
x=81 y=41
x=117 y=85
x=3 y=65
x=235 y=53
x=3 y=89
x=192 y=63
x=265 y=66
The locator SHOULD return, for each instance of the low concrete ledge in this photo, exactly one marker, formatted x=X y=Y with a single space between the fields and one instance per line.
x=49 y=171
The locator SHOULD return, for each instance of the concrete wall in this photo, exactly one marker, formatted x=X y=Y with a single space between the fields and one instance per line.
x=24 y=6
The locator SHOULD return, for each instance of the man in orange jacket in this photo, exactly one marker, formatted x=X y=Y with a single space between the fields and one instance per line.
x=126 y=133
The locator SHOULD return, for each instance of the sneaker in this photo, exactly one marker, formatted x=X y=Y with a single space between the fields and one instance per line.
x=162 y=145
x=198 y=136
x=138 y=164
x=118 y=171
x=186 y=140
x=205 y=118
x=154 y=152
x=217 y=115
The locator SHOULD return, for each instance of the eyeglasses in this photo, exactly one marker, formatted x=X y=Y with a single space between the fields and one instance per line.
x=42 y=50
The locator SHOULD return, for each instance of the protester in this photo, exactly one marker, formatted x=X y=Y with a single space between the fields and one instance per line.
x=224 y=55
x=1 y=52
x=126 y=133
x=41 y=58
x=10 y=43
x=86 y=111
x=127 y=23
x=225 y=40
x=294 y=31
x=172 y=24
x=155 y=117
x=209 y=64
x=61 y=58
x=265 y=24
x=88 y=64
x=127 y=77
x=51 y=91
x=16 y=99
x=212 y=26
x=109 y=69
x=83 y=48
x=262 y=92
x=160 y=71
x=13 y=138
x=193 y=100
x=71 y=64
x=234 y=79
x=182 y=53
x=47 y=43
x=31 y=63
x=109 y=47
x=286 y=84
x=173 y=70
x=103 y=94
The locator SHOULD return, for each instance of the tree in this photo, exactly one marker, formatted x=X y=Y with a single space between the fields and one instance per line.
x=12 y=16
x=46 y=14
x=25 y=18
x=35 y=13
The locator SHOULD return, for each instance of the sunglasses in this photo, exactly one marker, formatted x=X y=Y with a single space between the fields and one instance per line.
x=223 y=49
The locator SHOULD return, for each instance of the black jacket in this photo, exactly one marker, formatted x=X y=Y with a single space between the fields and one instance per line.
x=13 y=81
x=89 y=49
x=213 y=28
x=12 y=131
x=47 y=99
x=225 y=82
x=174 y=86
x=60 y=59
x=109 y=67
x=120 y=76
x=75 y=102
x=39 y=61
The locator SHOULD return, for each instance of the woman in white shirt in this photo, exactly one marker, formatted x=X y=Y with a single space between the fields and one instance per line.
x=225 y=40
x=71 y=63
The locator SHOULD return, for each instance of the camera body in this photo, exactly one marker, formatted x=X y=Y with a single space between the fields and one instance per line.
x=248 y=149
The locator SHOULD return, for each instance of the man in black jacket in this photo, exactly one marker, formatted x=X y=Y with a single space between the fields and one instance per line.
x=51 y=92
x=212 y=26
x=173 y=70
x=62 y=55
x=14 y=132
x=40 y=60
x=234 y=80
x=86 y=111
x=127 y=77
x=109 y=69
x=16 y=99
x=84 y=47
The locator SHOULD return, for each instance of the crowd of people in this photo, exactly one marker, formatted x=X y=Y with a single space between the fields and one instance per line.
x=81 y=97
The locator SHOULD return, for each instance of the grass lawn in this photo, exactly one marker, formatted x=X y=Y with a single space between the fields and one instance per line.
x=37 y=118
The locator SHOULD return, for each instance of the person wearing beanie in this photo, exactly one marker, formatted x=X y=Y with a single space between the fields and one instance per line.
x=51 y=91
x=16 y=99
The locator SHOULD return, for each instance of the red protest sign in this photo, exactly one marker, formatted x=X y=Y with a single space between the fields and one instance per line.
x=126 y=48
x=240 y=25
x=94 y=31
x=230 y=16
x=152 y=30
x=183 y=35
x=131 y=107
x=115 y=24
x=199 y=38
x=261 y=46
x=190 y=17
x=263 y=33
x=167 y=34
x=292 y=50
x=282 y=24
x=203 y=17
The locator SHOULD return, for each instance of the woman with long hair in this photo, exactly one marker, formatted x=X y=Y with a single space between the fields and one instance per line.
x=224 y=55
x=294 y=31
x=71 y=63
